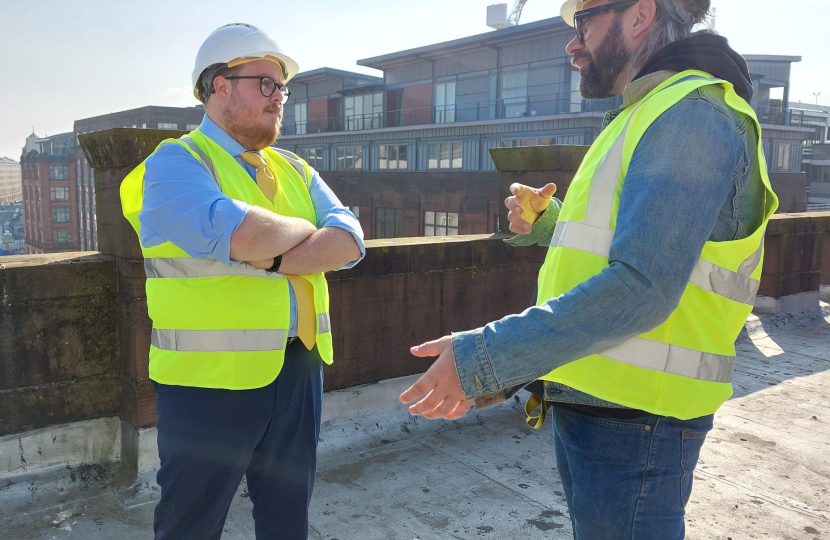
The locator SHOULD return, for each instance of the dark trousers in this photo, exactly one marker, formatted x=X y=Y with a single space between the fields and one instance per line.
x=208 y=439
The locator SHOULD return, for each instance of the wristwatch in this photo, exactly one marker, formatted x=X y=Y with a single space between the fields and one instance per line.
x=275 y=268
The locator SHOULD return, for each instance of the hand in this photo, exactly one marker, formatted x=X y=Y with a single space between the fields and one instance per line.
x=262 y=265
x=439 y=389
x=526 y=205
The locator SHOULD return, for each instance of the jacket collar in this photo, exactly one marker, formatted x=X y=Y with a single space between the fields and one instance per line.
x=637 y=90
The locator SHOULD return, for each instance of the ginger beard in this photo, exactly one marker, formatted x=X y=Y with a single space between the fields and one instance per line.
x=600 y=72
x=254 y=125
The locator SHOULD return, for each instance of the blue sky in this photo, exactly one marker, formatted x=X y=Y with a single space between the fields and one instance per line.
x=63 y=61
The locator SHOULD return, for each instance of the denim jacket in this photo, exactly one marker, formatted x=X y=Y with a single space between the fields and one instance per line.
x=694 y=177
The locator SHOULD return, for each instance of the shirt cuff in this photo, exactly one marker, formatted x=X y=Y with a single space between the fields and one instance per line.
x=472 y=364
x=349 y=224
x=228 y=215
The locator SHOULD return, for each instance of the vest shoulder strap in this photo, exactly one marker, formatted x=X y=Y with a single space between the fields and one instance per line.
x=295 y=161
x=206 y=161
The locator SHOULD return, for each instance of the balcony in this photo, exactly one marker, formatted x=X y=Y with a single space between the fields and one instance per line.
x=524 y=107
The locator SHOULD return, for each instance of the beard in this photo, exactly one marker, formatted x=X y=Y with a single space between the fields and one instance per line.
x=247 y=126
x=603 y=68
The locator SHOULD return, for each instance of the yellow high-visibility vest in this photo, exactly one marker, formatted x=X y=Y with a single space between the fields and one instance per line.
x=216 y=326
x=683 y=368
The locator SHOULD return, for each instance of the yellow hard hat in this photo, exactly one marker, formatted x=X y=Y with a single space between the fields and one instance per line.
x=570 y=8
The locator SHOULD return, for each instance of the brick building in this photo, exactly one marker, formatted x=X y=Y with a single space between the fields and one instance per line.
x=48 y=198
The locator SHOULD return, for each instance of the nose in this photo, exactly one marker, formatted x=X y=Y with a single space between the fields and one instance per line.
x=574 y=46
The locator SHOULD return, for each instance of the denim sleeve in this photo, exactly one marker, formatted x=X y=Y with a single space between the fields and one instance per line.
x=330 y=212
x=183 y=205
x=680 y=175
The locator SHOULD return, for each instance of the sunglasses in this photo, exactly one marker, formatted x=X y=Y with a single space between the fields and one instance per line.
x=581 y=17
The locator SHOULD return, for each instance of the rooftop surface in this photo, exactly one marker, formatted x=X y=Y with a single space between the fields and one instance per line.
x=764 y=472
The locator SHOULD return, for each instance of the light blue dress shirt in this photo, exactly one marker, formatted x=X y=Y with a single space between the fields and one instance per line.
x=183 y=205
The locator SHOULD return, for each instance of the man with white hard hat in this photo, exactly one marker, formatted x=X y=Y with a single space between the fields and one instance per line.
x=236 y=237
x=654 y=260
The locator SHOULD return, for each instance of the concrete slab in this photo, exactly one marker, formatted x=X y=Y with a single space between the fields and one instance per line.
x=764 y=471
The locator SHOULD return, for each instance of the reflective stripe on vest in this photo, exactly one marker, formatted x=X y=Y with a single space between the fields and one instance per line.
x=158 y=268
x=218 y=340
x=673 y=359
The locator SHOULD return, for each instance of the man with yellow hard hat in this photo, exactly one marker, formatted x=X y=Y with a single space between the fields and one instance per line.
x=654 y=260
x=236 y=237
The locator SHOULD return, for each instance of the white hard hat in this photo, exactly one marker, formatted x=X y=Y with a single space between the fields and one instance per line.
x=673 y=7
x=238 y=43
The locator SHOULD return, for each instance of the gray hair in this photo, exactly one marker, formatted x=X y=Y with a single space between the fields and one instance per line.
x=674 y=22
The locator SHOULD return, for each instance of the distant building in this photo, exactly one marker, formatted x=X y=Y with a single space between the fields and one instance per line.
x=11 y=186
x=48 y=197
x=173 y=118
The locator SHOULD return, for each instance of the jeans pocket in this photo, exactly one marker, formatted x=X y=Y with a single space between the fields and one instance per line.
x=637 y=424
x=691 y=445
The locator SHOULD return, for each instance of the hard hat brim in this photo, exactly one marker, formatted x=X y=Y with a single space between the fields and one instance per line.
x=289 y=66
x=570 y=8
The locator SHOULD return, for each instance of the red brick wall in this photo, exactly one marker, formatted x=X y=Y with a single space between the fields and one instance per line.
x=417 y=105
x=322 y=115
x=39 y=231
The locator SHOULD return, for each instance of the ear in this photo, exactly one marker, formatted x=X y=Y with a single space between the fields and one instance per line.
x=221 y=88
x=644 y=15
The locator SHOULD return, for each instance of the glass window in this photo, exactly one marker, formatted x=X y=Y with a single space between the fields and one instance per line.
x=547 y=141
x=355 y=210
x=190 y=127
x=61 y=236
x=440 y=224
x=514 y=94
x=783 y=157
x=392 y=157
x=58 y=172
x=363 y=112
x=445 y=103
x=59 y=193
x=349 y=158
x=168 y=125
x=527 y=142
x=445 y=155
x=313 y=156
x=388 y=223
x=60 y=215
x=301 y=117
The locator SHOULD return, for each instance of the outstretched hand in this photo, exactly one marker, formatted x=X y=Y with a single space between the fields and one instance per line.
x=439 y=389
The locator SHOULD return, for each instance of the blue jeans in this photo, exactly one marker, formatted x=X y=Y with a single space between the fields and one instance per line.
x=627 y=479
x=209 y=438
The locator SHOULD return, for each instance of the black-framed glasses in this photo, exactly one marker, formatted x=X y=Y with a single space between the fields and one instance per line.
x=581 y=17
x=267 y=86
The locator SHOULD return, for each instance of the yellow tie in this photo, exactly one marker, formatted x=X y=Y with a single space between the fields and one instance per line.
x=303 y=291
x=264 y=177
x=306 y=315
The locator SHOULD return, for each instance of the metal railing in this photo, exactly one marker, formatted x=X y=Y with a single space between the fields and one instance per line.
x=524 y=107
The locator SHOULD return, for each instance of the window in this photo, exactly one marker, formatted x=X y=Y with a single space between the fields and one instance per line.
x=388 y=223
x=61 y=236
x=60 y=215
x=440 y=224
x=547 y=141
x=168 y=125
x=445 y=155
x=445 y=103
x=301 y=118
x=576 y=97
x=363 y=112
x=190 y=127
x=59 y=193
x=349 y=158
x=58 y=172
x=783 y=157
x=514 y=94
x=313 y=156
x=392 y=156
x=355 y=210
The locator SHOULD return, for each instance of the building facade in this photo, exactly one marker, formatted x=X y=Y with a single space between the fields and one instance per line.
x=173 y=118
x=48 y=196
x=11 y=185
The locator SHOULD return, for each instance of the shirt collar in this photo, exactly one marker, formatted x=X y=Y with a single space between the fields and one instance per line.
x=637 y=90
x=218 y=135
